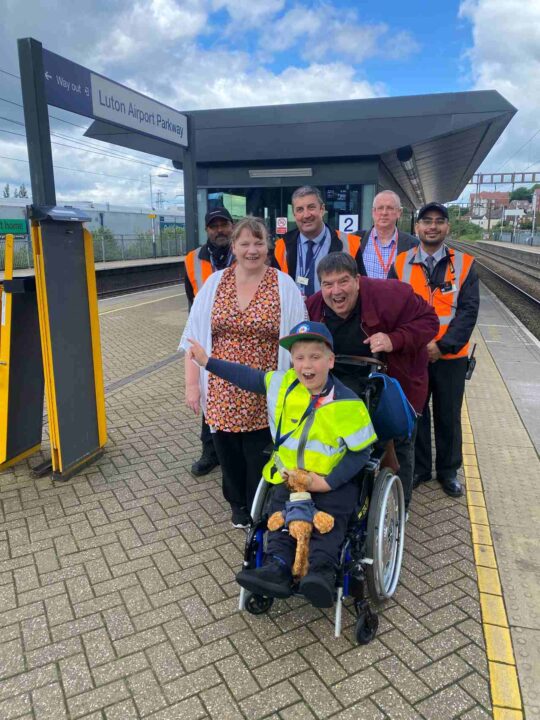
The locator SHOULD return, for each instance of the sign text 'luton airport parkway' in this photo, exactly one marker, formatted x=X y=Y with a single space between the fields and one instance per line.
x=79 y=90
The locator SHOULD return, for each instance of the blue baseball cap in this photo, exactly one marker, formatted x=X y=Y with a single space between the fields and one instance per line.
x=307 y=330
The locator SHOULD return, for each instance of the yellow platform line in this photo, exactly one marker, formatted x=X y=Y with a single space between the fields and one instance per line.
x=503 y=679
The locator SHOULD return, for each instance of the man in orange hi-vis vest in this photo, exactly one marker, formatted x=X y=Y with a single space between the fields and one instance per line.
x=447 y=279
x=300 y=251
x=199 y=264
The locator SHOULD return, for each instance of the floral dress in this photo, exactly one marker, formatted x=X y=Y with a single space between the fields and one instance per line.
x=249 y=337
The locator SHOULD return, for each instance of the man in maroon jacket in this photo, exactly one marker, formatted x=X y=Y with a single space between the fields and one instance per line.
x=367 y=316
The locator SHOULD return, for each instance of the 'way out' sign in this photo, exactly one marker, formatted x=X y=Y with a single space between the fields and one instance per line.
x=78 y=89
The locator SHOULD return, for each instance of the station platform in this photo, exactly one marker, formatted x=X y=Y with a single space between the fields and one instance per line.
x=118 y=591
x=526 y=249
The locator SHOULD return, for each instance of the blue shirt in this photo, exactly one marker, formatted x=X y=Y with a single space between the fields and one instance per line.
x=318 y=252
x=373 y=266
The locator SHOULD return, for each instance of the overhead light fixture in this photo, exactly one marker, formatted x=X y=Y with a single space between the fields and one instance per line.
x=280 y=172
x=405 y=156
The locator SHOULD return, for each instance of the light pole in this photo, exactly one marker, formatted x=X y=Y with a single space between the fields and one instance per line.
x=154 y=252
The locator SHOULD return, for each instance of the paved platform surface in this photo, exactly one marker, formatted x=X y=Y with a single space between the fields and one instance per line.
x=118 y=590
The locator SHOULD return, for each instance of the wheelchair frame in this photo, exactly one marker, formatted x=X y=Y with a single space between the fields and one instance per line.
x=372 y=552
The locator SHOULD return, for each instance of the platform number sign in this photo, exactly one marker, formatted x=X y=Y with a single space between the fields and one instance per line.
x=348 y=223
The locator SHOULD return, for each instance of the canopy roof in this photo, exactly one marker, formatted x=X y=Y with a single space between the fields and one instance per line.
x=450 y=134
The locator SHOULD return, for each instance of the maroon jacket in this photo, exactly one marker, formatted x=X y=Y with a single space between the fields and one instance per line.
x=391 y=307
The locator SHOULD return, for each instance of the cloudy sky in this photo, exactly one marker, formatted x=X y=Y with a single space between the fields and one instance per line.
x=193 y=54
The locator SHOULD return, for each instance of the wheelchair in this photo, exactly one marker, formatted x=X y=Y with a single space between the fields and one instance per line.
x=372 y=552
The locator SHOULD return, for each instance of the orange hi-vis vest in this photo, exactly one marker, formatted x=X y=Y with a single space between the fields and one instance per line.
x=409 y=269
x=351 y=245
x=198 y=271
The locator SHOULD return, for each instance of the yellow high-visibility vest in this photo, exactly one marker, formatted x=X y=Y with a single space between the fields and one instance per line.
x=319 y=442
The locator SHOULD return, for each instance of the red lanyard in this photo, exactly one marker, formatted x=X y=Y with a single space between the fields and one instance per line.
x=385 y=266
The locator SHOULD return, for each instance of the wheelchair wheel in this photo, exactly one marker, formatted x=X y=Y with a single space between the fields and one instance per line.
x=385 y=535
x=258 y=604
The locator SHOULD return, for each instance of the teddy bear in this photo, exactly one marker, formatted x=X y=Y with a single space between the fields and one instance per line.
x=300 y=516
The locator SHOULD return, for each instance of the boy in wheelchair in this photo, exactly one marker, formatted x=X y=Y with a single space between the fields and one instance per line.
x=318 y=425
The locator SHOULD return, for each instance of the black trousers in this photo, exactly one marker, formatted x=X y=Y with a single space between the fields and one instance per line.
x=206 y=438
x=404 y=448
x=241 y=458
x=446 y=388
x=323 y=548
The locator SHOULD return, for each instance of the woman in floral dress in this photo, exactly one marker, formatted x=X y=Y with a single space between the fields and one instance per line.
x=239 y=315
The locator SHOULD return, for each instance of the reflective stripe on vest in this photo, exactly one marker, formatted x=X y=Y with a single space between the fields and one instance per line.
x=280 y=253
x=198 y=271
x=315 y=444
x=351 y=243
x=444 y=304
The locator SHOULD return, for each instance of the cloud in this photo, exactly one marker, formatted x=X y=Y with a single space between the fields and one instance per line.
x=249 y=13
x=505 y=56
x=323 y=31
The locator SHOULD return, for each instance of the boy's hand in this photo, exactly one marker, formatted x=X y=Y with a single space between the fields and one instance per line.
x=318 y=483
x=197 y=353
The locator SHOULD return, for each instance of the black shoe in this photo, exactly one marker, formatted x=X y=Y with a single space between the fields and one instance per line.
x=421 y=478
x=273 y=579
x=318 y=586
x=205 y=464
x=451 y=485
x=240 y=517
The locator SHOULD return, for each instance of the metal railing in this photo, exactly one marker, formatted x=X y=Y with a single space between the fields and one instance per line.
x=110 y=248
x=519 y=237
x=22 y=253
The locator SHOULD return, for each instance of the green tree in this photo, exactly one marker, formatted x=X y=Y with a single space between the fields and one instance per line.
x=105 y=245
x=6 y=190
x=522 y=193
x=23 y=192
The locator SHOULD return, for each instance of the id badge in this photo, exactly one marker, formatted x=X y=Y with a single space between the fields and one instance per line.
x=302 y=280
x=448 y=287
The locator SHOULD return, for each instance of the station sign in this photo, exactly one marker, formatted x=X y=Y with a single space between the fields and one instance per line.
x=15 y=226
x=80 y=90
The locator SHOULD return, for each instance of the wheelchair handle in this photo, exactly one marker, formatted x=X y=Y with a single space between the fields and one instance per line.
x=361 y=361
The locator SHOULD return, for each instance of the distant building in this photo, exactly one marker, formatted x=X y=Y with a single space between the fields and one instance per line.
x=119 y=219
x=488 y=220
x=479 y=201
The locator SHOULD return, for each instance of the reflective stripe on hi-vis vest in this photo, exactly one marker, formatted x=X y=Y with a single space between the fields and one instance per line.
x=351 y=243
x=312 y=442
x=444 y=303
x=198 y=271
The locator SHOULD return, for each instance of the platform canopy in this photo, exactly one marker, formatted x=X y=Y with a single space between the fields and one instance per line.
x=442 y=138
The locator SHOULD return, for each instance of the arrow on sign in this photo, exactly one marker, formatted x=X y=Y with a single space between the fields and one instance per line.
x=48 y=75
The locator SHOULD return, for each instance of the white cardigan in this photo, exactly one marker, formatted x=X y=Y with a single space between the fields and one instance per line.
x=199 y=327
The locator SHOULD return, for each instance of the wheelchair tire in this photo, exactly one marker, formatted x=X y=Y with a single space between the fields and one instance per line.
x=385 y=535
x=258 y=604
x=366 y=627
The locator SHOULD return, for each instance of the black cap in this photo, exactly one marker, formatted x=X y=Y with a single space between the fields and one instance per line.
x=432 y=206
x=219 y=212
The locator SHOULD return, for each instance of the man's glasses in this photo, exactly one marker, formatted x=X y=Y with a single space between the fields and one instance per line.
x=433 y=221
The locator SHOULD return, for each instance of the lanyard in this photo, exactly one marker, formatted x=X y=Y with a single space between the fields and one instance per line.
x=304 y=271
x=280 y=439
x=385 y=266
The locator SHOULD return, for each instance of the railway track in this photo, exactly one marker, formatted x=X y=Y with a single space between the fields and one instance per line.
x=517 y=288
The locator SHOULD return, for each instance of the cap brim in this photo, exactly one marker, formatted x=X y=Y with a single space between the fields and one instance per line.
x=288 y=341
x=433 y=206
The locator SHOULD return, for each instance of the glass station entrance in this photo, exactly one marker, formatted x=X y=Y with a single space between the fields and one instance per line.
x=270 y=203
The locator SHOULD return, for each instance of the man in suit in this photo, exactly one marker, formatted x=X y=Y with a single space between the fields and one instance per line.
x=300 y=251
